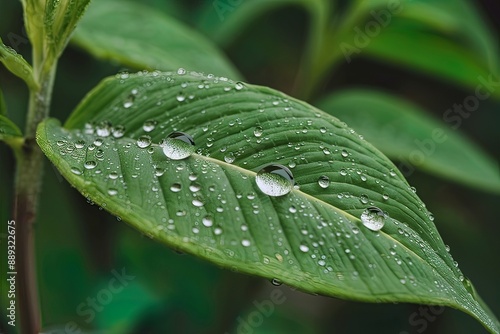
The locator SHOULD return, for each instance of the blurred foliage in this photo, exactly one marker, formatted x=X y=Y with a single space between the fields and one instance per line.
x=79 y=245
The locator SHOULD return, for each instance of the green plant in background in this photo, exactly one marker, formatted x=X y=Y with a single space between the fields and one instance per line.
x=245 y=176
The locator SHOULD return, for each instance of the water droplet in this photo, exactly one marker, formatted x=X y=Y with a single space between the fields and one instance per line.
x=76 y=171
x=343 y=172
x=292 y=209
x=207 y=221
x=363 y=199
x=181 y=71
x=80 y=143
x=113 y=175
x=276 y=282
x=144 y=141
x=217 y=231
x=257 y=132
x=90 y=164
x=322 y=129
x=304 y=248
x=373 y=218
x=239 y=85
x=194 y=187
x=385 y=197
x=345 y=154
x=229 y=158
x=159 y=171
x=149 y=125
x=197 y=203
x=245 y=242
x=275 y=180
x=103 y=129
x=118 y=131
x=181 y=97
x=112 y=191
x=178 y=145
x=176 y=187
x=324 y=181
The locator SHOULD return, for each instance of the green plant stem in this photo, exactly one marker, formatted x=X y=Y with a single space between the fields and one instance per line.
x=27 y=188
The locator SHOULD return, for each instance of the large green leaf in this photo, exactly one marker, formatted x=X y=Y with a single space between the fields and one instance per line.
x=210 y=205
x=406 y=133
x=143 y=38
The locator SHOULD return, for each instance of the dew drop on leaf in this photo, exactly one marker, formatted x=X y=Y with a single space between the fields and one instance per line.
x=275 y=180
x=178 y=145
x=80 y=144
x=363 y=199
x=207 y=221
x=118 y=131
x=113 y=175
x=276 y=282
x=176 y=187
x=304 y=248
x=229 y=158
x=144 y=141
x=373 y=218
x=257 y=132
x=245 y=242
x=76 y=171
x=90 y=164
x=112 y=191
x=149 y=125
x=324 y=181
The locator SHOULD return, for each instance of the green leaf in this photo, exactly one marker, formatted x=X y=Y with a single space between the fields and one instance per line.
x=209 y=204
x=49 y=24
x=445 y=39
x=406 y=133
x=16 y=64
x=140 y=37
x=8 y=130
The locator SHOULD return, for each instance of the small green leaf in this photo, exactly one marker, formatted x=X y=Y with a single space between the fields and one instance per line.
x=49 y=24
x=406 y=133
x=143 y=38
x=9 y=132
x=16 y=64
x=322 y=229
x=61 y=18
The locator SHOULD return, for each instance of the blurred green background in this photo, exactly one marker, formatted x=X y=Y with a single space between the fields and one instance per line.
x=80 y=246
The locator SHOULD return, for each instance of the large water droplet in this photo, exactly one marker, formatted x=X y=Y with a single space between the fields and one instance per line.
x=324 y=181
x=178 y=145
x=275 y=180
x=373 y=218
